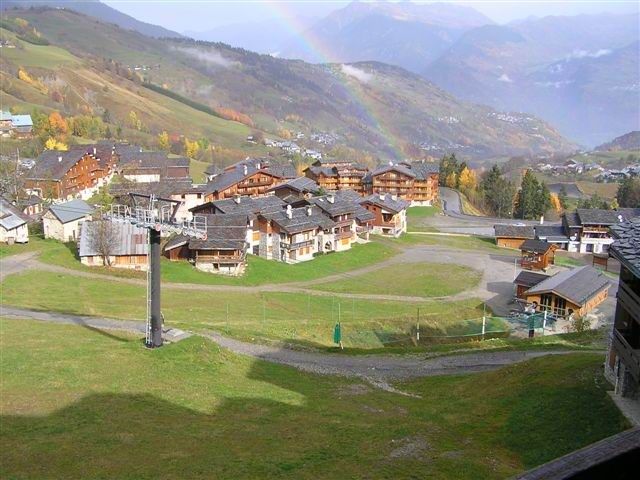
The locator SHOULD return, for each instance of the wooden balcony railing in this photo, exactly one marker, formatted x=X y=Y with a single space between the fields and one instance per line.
x=220 y=258
x=629 y=356
x=296 y=245
x=343 y=234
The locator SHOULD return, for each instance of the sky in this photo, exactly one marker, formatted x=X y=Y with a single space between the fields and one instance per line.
x=203 y=15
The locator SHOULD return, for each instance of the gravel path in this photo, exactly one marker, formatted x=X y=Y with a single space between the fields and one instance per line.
x=376 y=369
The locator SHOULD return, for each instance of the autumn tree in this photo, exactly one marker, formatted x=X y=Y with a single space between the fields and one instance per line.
x=191 y=148
x=563 y=198
x=467 y=180
x=58 y=126
x=163 y=141
x=555 y=202
x=53 y=144
x=134 y=121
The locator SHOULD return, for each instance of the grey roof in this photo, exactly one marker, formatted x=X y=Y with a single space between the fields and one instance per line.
x=213 y=170
x=300 y=220
x=577 y=285
x=135 y=161
x=163 y=188
x=551 y=233
x=626 y=246
x=535 y=246
x=10 y=216
x=529 y=279
x=394 y=167
x=129 y=239
x=387 y=202
x=514 y=231
x=224 y=232
x=326 y=171
x=72 y=210
x=595 y=216
x=334 y=205
x=361 y=213
x=572 y=219
x=424 y=169
x=298 y=184
x=243 y=205
x=236 y=173
x=53 y=165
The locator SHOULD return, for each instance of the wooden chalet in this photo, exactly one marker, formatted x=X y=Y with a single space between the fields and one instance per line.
x=295 y=189
x=325 y=177
x=512 y=236
x=390 y=213
x=415 y=182
x=223 y=251
x=142 y=166
x=76 y=173
x=623 y=362
x=537 y=255
x=576 y=291
x=588 y=229
x=342 y=213
x=129 y=249
x=252 y=177
x=295 y=234
x=526 y=280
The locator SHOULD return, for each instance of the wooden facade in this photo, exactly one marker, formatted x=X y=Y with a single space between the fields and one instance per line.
x=252 y=185
x=415 y=182
x=537 y=255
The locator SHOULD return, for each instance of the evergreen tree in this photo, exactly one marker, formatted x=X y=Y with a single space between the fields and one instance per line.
x=563 y=198
x=533 y=199
x=628 y=195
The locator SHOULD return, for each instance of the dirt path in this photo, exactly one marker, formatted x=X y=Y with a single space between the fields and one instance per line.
x=377 y=369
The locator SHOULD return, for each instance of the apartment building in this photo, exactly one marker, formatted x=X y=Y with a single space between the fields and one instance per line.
x=390 y=213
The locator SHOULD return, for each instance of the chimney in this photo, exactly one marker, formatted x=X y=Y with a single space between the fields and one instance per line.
x=309 y=211
x=236 y=198
x=59 y=158
x=541 y=219
x=620 y=219
x=390 y=163
x=258 y=166
x=289 y=212
x=382 y=196
x=95 y=151
x=245 y=169
x=331 y=198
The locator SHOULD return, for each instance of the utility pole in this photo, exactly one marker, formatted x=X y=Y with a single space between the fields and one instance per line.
x=418 y=326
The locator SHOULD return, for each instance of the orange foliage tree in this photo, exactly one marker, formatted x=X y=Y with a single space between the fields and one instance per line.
x=231 y=114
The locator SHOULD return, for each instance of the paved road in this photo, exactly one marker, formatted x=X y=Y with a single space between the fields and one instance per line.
x=376 y=369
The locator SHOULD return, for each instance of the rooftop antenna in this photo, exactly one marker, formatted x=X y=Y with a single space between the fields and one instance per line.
x=157 y=215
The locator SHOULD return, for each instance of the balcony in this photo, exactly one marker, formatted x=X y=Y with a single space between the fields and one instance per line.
x=344 y=223
x=628 y=355
x=297 y=245
x=344 y=234
x=261 y=183
x=220 y=258
x=629 y=300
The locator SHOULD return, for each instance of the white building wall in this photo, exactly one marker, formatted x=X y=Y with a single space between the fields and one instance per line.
x=17 y=235
x=63 y=232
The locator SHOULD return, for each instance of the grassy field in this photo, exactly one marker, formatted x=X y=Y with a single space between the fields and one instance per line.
x=43 y=56
x=196 y=170
x=64 y=415
x=421 y=212
x=259 y=270
x=414 y=279
x=483 y=244
x=269 y=316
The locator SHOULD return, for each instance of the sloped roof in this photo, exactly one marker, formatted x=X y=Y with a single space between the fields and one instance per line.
x=10 y=216
x=361 y=213
x=129 y=239
x=163 y=188
x=535 y=246
x=514 y=231
x=333 y=205
x=572 y=219
x=551 y=233
x=626 y=246
x=72 y=210
x=236 y=173
x=21 y=121
x=529 y=279
x=299 y=184
x=53 y=165
x=326 y=171
x=387 y=202
x=300 y=220
x=424 y=169
x=394 y=167
x=244 y=205
x=595 y=216
x=213 y=170
x=224 y=232
x=577 y=285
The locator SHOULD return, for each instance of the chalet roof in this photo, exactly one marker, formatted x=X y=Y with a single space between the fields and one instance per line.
x=394 y=167
x=326 y=171
x=243 y=205
x=386 y=201
x=10 y=216
x=514 y=231
x=21 y=121
x=53 y=165
x=551 y=233
x=151 y=160
x=333 y=205
x=213 y=170
x=298 y=184
x=572 y=219
x=163 y=188
x=330 y=161
x=535 y=246
x=626 y=246
x=129 y=239
x=577 y=285
x=529 y=279
x=236 y=173
x=361 y=213
x=424 y=169
x=300 y=220
x=72 y=210
x=595 y=216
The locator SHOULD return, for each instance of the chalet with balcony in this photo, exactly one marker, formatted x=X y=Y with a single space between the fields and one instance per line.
x=415 y=182
x=247 y=206
x=537 y=255
x=553 y=234
x=295 y=234
x=623 y=362
x=251 y=177
x=223 y=251
x=128 y=250
x=325 y=177
x=513 y=236
x=76 y=173
x=13 y=224
x=342 y=213
x=390 y=213
x=588 y=230
x=340 y=174
x=571 y=292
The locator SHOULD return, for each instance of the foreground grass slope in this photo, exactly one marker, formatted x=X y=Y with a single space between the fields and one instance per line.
x=192 y=410
x=270 y=316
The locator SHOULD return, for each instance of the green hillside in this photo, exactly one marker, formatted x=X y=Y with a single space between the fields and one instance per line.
x=372 y=107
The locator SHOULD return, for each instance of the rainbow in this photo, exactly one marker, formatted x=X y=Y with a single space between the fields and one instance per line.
x=315 y=46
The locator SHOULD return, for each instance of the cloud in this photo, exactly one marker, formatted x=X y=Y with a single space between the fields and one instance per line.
x=356 y=73
x=585 y=53
x=505 y=78
x=211 y=57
